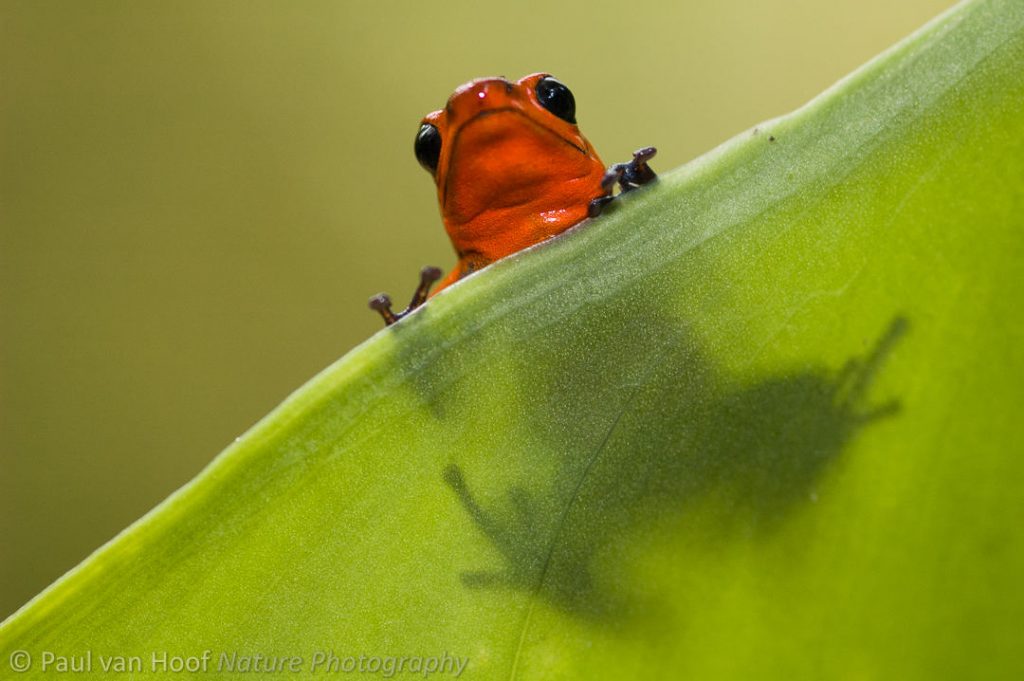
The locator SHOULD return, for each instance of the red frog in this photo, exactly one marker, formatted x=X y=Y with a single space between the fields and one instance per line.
x=512 y=169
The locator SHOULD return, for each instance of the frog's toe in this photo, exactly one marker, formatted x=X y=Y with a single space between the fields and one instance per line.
x=381 y=303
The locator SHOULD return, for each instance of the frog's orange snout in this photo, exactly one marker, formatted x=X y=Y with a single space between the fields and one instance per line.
x=479 y=96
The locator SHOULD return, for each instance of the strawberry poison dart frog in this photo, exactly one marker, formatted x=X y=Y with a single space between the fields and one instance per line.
x=512 y=169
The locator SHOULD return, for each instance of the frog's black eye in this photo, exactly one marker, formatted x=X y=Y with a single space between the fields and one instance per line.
x=557 y=99
x=428 y=147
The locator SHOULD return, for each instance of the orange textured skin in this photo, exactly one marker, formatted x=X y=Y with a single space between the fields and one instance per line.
x=510 y=173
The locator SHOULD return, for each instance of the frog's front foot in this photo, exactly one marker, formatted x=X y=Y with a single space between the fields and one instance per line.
x=382 y=302
x=628 y=176
x=636 y=173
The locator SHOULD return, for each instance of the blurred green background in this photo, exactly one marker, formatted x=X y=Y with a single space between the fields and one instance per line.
x=197 y=199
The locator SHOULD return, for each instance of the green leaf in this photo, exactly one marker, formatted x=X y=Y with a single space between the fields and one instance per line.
x=757 y=422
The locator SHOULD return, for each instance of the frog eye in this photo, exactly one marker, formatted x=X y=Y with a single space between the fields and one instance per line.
x=428 y=147
x=557 y=99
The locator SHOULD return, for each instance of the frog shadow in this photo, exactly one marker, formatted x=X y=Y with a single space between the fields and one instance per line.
x=687 y=445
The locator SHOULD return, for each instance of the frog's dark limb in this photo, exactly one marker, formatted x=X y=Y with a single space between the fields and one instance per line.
x=628 y=176
x=637 y=173
x=382 y=302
